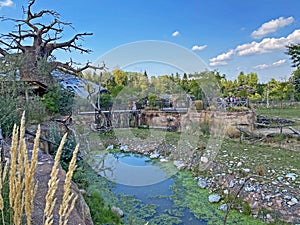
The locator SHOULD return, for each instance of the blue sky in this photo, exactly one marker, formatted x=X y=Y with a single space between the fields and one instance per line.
x=230 y=36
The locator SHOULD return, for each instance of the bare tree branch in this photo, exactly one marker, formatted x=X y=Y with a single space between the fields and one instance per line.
x=44 y=38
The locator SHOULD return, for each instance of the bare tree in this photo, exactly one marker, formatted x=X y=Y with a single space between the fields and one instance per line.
x=43 y=40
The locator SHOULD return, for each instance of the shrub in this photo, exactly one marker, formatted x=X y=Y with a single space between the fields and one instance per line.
x=55 y=136
x=199 y=105
x=35 y=110
x=10 y=104
x=58 y=100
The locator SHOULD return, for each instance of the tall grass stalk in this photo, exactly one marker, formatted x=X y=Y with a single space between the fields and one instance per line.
x=52 y=186
x=65 y=211
x=23 y=187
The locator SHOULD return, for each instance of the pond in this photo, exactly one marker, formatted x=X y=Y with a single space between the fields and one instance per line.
x=148 y=190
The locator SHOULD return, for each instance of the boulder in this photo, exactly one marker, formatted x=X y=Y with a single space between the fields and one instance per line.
x=117 y=210
x=214 y=198
x=202 y=183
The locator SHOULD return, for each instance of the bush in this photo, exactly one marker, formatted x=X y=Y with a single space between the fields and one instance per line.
x=55 y=136
x=100 y=213
x=199 y=105
x=10 y=104
x=58 y=100
x=35 y=110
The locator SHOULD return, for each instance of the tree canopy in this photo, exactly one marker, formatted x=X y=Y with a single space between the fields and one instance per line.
x=294 y=52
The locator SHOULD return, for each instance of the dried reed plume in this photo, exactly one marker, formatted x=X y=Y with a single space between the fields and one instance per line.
x=65 y=211
x=3 y=172
x=22 y=186
x=30 y=187
x=52 y=186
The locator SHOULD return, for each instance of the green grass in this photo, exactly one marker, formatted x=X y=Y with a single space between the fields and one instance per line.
x=289 y=113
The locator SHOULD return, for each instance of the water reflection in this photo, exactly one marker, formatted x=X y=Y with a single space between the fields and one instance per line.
x=130 y=169
x=147 y=180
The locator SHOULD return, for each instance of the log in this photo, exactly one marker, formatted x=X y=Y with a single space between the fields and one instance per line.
x=294 y=130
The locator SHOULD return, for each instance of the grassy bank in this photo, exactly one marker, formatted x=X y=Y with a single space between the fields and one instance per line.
x=289 y=112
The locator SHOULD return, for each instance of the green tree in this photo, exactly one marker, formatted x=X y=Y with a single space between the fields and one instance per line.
x=58 y=100
x=294 y=52
x=252 y=80
x=120 y=77
x=295 y=80
x=242 y=79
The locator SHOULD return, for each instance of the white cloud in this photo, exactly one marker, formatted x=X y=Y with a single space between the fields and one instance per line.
x=176 y=33
x=264 y=46
x=220 y=59
x=6 y=3
x=198 y=48
x=266 y=66
x=261 y=67
x=271 y=26
x=268 y=44
x=279 y=62
x=218 y=63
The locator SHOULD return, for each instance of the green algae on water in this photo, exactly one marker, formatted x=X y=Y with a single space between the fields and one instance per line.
x=186 y=193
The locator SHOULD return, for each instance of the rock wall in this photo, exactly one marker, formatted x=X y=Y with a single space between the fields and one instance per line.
x=217 y=122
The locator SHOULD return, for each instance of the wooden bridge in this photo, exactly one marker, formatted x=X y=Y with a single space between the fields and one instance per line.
x=105 y=120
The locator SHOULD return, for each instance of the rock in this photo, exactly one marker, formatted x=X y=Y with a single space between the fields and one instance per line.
x=241 y=181
x=118 y=211
x=294 y=201
x=214 y=198
x=290 y=203
x=163 y=160
x=246 y=170
x=249 y=189
x=291 y=176
x=180 y=165
x=202 y=183
x=204 y=159
x=226 y=192
x=154 y=156
x=110 y=147
x=239 y=164
x=254 y=205
x=124 y=148
x=280 y=179
x=231 y=184
x=223 y=207
x=287 y=197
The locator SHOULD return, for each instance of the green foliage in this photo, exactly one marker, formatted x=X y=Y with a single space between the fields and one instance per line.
x=58 y=100
x=152 y=99
x=100 y=213
x=246 y=208
x=35 y=110
x=55 y=135
x=10 y=104
x=205 y=129
x=296 y=83
x=186 y=193
x=242 y=79
x=120 y=77
x=294 y=52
